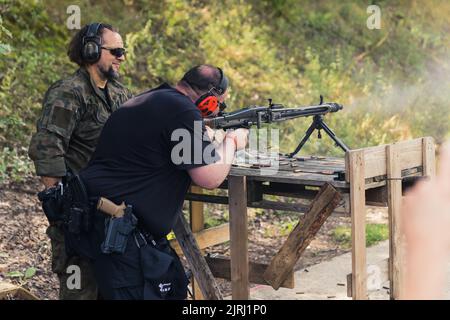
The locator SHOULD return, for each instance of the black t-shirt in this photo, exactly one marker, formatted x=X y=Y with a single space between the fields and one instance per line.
x=104 y=93
x=133 y=162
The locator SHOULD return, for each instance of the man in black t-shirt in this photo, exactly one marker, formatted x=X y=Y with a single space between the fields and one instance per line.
x=149 y=152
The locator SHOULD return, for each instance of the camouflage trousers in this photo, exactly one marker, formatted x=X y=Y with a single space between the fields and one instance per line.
x=66 y=267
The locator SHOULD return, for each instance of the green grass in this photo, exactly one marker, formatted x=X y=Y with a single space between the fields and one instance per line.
x=214 y=221
x=14 y=165
x=374 y=234
x=287 y=227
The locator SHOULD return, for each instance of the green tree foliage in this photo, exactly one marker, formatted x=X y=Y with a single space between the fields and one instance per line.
x=393 y=81
x=34 y=61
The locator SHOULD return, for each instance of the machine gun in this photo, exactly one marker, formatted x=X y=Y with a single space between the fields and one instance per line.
x=257 y=115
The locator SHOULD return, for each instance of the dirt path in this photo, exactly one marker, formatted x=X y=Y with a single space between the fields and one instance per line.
x=24 y=244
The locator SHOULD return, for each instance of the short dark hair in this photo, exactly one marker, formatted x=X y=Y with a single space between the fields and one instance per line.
x=76 y=44
x=203 y=77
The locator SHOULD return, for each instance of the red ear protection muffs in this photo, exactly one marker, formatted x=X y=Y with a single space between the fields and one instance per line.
x=209 y=102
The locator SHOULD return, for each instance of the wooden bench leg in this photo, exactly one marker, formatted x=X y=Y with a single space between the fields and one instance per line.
x=197 y=224
x=394 y=188
x=238 y=237
x=358 y=214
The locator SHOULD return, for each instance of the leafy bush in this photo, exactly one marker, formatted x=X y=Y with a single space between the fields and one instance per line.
x=14 y=165
x=393 y=82
x=34 y=62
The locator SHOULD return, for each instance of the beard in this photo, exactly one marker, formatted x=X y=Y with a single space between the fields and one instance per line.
x=108 y=73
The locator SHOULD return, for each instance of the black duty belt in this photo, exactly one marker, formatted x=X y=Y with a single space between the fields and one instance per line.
x=143 y=238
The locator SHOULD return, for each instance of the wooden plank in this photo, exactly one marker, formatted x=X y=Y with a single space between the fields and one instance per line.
x=197 y=224
x=207 y=237
x=276 y=188
x=221 y=268
x=394 y=188
x=238 y=237
x=289 y=177
x=9 y=289
x=410 y=157
x=273 y=205
x=196 y=261
x=377 y=197
x=324 y=170
x=282 y=206
x=358 y=214
x=349 y=285
x=377 y=274
x=380 y=181
x=375 y=157
x=207 y=198
x=254 y=191
x=298 y=207
x=429 y=157
x=306 y=196
x=24 y=294
x=283 y=262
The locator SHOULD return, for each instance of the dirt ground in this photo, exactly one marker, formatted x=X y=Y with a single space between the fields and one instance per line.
x=24 y=244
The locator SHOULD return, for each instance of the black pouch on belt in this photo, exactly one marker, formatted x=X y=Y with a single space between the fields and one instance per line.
x=164 y=275
x=76 y=206
x=52 y=203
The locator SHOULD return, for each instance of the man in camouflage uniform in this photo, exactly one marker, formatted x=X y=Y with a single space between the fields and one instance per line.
x=74 y=112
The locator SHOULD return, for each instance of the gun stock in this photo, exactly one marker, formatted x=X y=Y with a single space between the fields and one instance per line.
x=109 y=207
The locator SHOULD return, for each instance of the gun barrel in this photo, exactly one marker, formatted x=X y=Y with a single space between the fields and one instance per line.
x=307 y=111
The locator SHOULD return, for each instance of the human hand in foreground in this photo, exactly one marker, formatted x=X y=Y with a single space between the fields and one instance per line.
x=425 y=222
x=426 y=208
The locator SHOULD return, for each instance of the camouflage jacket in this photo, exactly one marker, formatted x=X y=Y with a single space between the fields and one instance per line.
x=73 y=114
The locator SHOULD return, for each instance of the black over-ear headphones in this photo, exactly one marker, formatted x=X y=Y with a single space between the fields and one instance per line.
x=209 y=102
x=92 y=42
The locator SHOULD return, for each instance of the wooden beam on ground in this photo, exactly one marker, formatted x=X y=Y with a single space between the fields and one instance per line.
x=9 y=289
x=207 y=237
x=196 y=261
x=221 y=268
x=356 y=167
x=394 y=187
x=238 y=237
x=283 y=263
x=6 y=289
x=197 y=222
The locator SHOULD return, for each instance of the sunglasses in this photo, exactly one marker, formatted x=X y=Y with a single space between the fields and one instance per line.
x=117 y=52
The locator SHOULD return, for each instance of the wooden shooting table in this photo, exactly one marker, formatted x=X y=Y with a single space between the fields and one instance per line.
x=368 y=176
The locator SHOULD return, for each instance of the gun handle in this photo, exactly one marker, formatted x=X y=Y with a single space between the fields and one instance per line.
x=109 y=207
